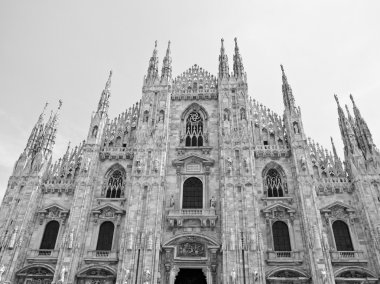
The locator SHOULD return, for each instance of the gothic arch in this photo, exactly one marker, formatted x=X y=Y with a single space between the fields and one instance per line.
x=195 y=107
x=274 y=180
x=43 y=272
x=26 y=268
x=273 y=165
x=96 y=271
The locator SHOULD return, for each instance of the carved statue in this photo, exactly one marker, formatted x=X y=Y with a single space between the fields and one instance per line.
x=130 y=240
x=303 y=163
x=229 y=165
x=326 y=245
x=2 y=269
x=324 y=276
x=71 y=239
x=296 y=129
x=13 y=238
x=245 y=164
x=149 y=244
x=156 y=165
x=63 y=274
x=232 y=240
x=213 y=202
x=127 y=275
x=233 y=276
x=253 y=240
x=171 y=202
x=147 y=276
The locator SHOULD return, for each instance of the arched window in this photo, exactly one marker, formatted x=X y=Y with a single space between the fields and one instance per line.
x=192 y=193
x=105 y=237
x=342 y=236
x=281 y=240
x=273 y=184
x=146 y=116
x=194 y=130
x=115 y=184
x=50 y=235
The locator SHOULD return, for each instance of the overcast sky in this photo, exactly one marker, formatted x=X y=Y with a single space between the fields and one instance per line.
x=51 y=50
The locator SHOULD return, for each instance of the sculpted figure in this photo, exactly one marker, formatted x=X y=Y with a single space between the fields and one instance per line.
x=233 y=276
x=2 y=269
x=171 y=202
x=213 y=202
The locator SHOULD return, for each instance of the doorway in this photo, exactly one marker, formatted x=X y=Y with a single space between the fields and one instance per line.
x=190 y=276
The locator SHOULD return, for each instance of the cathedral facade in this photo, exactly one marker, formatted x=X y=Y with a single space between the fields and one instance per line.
x=196 y=183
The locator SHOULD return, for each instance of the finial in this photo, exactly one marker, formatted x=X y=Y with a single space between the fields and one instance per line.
x=155 y=43
x=336 y=98
x=59 y=104
x=222 y=41
x=352 y=99
x=169 y=44
x=108 y=84
x=282 y=69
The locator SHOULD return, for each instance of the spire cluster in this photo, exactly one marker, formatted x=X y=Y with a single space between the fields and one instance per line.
x=104 y=98
x=166 y=72
x=42 y=137
x=354 y=130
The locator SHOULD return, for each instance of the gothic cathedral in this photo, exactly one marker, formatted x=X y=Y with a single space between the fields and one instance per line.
x=197 y=183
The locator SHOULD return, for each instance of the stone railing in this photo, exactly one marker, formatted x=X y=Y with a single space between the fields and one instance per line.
x=333 y=185
x=271 y=151
x=59 y=186
x=275 y=257
x=348 y=257
x=115 y=153
x=41 y=254
x=192 y=217
x=101 y=255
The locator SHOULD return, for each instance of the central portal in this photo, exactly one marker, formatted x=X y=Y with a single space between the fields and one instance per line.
x=190 y=276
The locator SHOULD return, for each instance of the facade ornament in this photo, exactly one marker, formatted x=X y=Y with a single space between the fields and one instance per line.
x=156 y=165
x=245 y=164
x=2 y=270
x=229 y=165
x=296 y=128
x=255 y=275
x=326 y=245
x=130 y=240
x=213 y=202
x=149 y=244
x=253 y=240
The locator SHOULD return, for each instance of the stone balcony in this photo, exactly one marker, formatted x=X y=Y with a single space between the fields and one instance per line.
x=101 y=255
x=115 y=153
x=348 y=257
x=285 y=257
x=274 y=151
x=42 y=255
x=192 y=217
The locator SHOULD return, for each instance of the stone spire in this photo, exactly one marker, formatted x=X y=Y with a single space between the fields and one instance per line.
x=152 y=74
x=238 y=62
x=348 y=135
x=287 y=92
x=166 y=72
x=364 y=134
x=51 y=129
x=223 y=63
x=35 y=135
x=104 y=98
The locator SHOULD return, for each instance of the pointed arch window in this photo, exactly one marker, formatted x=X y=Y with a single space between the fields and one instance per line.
x=50 y=236
x=274 y=184
x=281 y=240
x=192 y=197
x=342 y=236
x=194 y=130
x=105 y=237
x=115 y=183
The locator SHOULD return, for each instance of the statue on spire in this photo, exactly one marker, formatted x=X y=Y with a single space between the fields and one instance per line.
x=287 y=92
x=108 y=84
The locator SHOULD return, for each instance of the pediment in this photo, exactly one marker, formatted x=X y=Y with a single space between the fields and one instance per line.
x=337 y=206
x=54 y=209
x=193 y=238
x=193 y=158
x=278 y=206
x=108 y=208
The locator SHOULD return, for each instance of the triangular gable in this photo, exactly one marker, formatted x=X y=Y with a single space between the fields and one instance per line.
x=278 y=206
x=328 y=208
x=193 y=158
x=107 y=206
x=54 y=207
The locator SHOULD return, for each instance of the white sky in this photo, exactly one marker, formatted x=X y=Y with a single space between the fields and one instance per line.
x=52 y=50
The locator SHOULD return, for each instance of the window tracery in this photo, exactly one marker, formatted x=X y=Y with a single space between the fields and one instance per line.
x=194 y=130
x=274 y=184
x=114 y=183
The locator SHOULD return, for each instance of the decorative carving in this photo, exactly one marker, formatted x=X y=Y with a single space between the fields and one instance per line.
x=191 y=249
x=147 y=276
x=287 y=274
x=232 y=240
x=2 y=269
x=354 y=274
x=171 y=202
